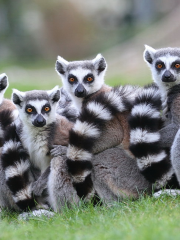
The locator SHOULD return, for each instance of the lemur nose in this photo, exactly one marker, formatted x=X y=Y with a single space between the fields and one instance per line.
x=168 y=77
x=167 y=74
x=39 y=121
x=80 y=91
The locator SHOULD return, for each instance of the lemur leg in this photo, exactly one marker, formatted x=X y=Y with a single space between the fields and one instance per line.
x=60 y=185
x=175 y=155
x=168 y=134
x=41 y=183
x=115 y=176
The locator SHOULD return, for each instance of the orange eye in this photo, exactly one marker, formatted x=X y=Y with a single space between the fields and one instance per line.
x=71 y=79
x=177 y=65
x=159 y=65
x=46 y=109
x=89 y=79
x=29 y=110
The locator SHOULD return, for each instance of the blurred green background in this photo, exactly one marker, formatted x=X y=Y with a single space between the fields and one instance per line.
x=33 y=33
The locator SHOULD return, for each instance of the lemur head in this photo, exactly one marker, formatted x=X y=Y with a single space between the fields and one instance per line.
x=164 y=64
x=37 y=108
x=81 y=78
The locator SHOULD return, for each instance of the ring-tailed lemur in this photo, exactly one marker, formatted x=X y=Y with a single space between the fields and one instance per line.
x=26 y=151
x=165 y=67
x=99 y=145
x=80 y=80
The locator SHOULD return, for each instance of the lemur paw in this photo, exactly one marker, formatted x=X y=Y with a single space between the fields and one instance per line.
x=58 y=150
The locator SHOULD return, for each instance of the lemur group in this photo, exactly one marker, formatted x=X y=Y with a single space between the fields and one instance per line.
x=90 y=141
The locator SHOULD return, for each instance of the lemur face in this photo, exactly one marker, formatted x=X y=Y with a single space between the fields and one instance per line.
x=81 y=78
x=164 y=64
x=36 y=108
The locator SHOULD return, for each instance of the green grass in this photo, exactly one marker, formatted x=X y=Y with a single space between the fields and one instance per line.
x=147 y=218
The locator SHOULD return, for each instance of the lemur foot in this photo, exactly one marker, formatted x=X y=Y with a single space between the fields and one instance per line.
x=36 y=213
x=167 y=192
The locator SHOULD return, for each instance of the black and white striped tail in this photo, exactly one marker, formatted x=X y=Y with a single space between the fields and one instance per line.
x=145 y=122
x=6 y=118
x=90 y=124
x=15 y=162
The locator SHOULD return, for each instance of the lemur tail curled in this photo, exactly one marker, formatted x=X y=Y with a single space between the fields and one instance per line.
x=16 y=165
x=145 y=140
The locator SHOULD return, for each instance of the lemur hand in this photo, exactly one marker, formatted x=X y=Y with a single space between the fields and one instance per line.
x=58 y=150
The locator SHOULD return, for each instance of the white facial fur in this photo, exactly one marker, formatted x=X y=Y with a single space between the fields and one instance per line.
x=38 y=105
x=80 y=69
x=168 y=57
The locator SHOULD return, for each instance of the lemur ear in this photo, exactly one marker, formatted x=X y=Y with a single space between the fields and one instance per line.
x=54 y=94
x=61 y=65
x=99 y=63
x=3 y=82
x=17 y=97
x=148 y=54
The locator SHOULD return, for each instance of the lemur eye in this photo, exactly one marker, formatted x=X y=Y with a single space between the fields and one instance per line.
x=47 y=109
x=159 y=65
x=89 y=79
x=177 y=65
x=29 y=110
x=71 y=79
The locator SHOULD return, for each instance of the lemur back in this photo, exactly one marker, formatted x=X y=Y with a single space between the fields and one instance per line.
x=80 y=80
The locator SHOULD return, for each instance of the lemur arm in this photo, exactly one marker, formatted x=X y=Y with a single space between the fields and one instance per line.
x=41 y=183
x=63 y=127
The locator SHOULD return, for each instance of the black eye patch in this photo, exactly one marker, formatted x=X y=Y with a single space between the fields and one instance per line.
x=30 y=109
x=72 y=79
x=89 y=78
x=176 y=65
x=159 y=65
x=46 y=108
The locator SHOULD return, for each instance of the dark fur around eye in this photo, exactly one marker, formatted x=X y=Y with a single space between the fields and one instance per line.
x=72 y=76
x=43 y=110
x=173 y=66
x=30 y=106
x=159 y=63
x=89 y=75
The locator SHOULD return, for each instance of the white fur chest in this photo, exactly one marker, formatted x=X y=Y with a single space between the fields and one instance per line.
x=36 y=142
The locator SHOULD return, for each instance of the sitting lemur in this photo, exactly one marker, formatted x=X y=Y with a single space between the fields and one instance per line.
x=153 y=162
x=25 y=155
x=98 y=156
